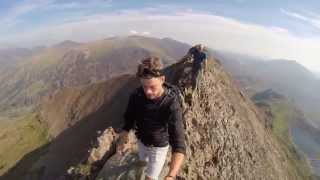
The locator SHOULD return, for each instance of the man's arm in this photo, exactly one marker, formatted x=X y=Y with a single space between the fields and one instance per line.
x=176 y=162
x=176 y=137
x=129 y=120
x=129 y=115
x=205 y=59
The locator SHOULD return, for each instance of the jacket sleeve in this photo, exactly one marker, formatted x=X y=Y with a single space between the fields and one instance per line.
x=176 y=128
x=204 y=56
x=129 y=115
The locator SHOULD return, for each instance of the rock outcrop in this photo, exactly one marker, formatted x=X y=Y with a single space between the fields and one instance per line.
x=225 y=137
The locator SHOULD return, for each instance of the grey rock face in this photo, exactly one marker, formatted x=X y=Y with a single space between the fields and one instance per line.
x=224 y=134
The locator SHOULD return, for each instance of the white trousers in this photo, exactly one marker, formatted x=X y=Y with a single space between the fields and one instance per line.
x=155 y=158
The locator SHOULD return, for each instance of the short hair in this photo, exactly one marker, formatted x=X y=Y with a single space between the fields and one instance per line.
x=200 y=47
x=150 y=67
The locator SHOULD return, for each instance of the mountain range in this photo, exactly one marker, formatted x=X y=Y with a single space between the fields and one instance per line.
x=298 y=88
x=67 y=94
x=284 y=76
x=69 y=64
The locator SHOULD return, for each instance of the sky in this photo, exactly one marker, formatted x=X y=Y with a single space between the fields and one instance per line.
x=272 y=29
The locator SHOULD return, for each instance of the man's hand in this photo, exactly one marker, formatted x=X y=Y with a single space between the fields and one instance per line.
x=176 y=162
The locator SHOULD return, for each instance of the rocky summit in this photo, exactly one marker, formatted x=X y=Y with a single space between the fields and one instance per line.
x=225 y=134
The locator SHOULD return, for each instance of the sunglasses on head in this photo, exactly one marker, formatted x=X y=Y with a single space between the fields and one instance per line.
x=150 y=72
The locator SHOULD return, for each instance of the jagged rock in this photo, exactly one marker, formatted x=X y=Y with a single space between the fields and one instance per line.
x=224 y=134
x=267 y=118
x=105 y=144
x=123 y=166
x=117 y=165
x=225 y=138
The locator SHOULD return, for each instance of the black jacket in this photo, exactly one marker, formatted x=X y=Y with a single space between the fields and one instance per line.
x=157 y=122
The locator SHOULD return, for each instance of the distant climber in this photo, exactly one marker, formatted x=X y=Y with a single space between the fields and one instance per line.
x=155 y=113
x=199 y=62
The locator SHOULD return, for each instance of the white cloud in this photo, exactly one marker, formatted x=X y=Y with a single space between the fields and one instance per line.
x=22 y=8
x=192 y=27
x=309 y=17
x=133 y=32
x=279 y=29
x=146 y=33
x=74 y=5
x=13 y=16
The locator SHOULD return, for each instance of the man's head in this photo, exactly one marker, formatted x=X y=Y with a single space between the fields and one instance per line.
x=151 y=77
x=200 y=47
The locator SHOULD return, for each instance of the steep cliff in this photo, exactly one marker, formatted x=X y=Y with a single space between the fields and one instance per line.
x=225 y=134
x=226 y=138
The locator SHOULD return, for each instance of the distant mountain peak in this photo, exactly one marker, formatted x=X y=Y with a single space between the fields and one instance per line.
x=67 y=44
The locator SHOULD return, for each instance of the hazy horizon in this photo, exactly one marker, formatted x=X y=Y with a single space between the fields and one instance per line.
x=274 y=30
x=316 y=73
